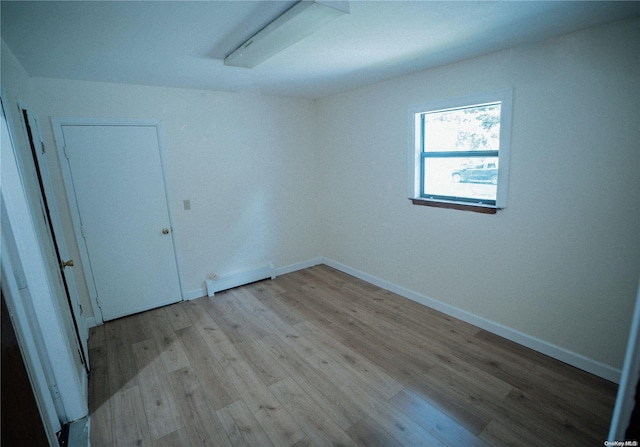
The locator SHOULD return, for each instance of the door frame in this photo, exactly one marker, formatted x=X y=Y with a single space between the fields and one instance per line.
x=626 y=398
x=49 y=205
x=57 y=124
x=58 y=379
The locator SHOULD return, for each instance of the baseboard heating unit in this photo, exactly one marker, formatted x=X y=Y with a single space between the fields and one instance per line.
x=240 y=279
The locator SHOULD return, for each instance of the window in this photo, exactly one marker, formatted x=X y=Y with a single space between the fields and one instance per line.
x=459 y=152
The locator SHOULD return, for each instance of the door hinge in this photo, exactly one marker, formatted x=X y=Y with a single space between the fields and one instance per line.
x=66 y=152
x=80 y=306
x=21 y=280
x=54 y=391
x=82 y=231
x=43 y=148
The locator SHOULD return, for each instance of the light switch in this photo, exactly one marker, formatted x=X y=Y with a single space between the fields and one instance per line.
x=186 y=204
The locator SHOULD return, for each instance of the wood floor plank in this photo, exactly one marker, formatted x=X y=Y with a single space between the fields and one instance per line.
x=266 y=292
x=351 y=362
x=166 y=340
x=318 y=357
x=551 y=418
x=241 y=328
x=267 y=319
x=586 y=401
x=497 y=361
x=266 y=366
x=279 y=425
x=242 y=427
x=97 y=337
x=520 y=416
x=499 y=434
x=99 y=396
x=130 y=426
x=324 y=390
x=317 y=425
x=391 y=419
x=136 y=328
x=220 y=389
x=157 y=397
x=305 y=442
x=456 y=407
x=122 y=372
x=365 y=335
x=224 y=303
x=367 y=433
x=176 y=316
x=178 y=438
x=101 y=425
x=468 y=382
x=202 y=426
x=274 y=419
x=448 y=430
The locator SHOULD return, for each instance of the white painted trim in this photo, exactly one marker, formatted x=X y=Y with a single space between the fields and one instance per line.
x=199 y=293
x=27 y=343
x=142 y=309
x=90 y=322
x=413 y=152
x=195 y=294
x=71 y=381
x=177 y=249
x=30 y=339
x=505 y=96
x=58 y=136
x=299 y=266
x=625 y=401
x=59 y=236
x=579 y=361
x=239 y=279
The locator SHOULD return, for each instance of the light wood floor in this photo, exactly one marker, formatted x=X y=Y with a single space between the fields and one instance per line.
x=317 y=358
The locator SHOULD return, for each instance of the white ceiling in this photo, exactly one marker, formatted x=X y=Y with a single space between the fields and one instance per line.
x=183 y=43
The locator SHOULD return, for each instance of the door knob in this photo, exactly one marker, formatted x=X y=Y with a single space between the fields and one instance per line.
x=165 y=231
x=68 y=263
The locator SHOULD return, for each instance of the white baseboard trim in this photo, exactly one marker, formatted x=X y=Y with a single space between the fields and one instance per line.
x=299 y=266
x=564 y=355
x=239 y=279
x=199 y=293
x=90 y=322
x=194 y=294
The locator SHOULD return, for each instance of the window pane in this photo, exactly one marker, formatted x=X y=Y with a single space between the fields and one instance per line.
x=466 y=129
x=472 y=178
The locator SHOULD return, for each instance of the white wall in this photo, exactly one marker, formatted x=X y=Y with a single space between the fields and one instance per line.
x=246 y=163
x=13 y=77
x=561 y=262
x=289 y=180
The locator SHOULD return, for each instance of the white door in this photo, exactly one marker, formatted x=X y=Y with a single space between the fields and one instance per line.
x=119 y=192
x=50 y=210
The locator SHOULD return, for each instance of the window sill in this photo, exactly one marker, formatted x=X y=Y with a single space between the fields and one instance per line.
x=476 y=208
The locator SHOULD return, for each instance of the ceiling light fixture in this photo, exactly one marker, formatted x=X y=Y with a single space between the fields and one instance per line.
x=296 y=23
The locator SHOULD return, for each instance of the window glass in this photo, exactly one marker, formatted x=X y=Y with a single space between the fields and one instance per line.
x=474 y=178
x=460 y=150
x=466 y=129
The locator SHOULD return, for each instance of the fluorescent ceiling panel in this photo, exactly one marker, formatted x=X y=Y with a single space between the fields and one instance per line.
x=298 y=22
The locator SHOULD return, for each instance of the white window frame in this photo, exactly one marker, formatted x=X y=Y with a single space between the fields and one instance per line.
x=505 y=97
